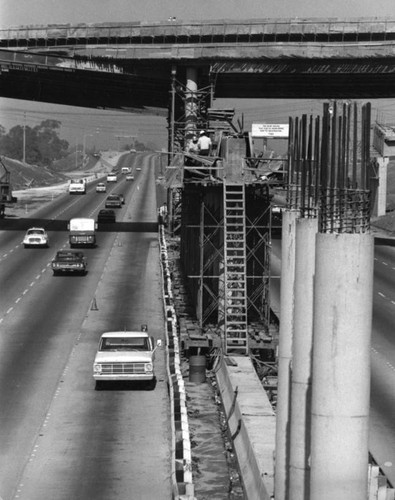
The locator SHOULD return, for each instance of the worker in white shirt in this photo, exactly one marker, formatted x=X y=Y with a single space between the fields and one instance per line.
x=204 y=144
x=162 y=214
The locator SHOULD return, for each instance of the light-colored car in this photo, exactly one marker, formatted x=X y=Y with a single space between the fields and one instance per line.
x=138 y=169
x=36 y=237
x=130 y=177
x=77 y=186
x=125 y=356
x=101 y=187
x=112 y=177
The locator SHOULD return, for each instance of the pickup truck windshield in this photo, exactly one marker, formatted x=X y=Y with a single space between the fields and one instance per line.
x=124 y=344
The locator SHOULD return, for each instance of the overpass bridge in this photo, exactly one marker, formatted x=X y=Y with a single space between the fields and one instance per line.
x=130 y=65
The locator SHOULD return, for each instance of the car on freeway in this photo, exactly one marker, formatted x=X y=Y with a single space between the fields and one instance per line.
x=113 y=201
x=101 y=187
x=138 y=169
x=112 y=177
x=106 y=215
x=69 y=262
x=130 y=177
x=77 y=186
x=36 y=237
x=125 y=356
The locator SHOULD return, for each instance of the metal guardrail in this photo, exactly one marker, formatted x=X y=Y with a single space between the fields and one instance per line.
x=182 y=481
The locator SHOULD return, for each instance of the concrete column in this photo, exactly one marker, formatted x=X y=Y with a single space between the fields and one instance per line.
x=191 y=103
x=302 y=355
x=380 y=188
x=341 y=366
x=285 y=354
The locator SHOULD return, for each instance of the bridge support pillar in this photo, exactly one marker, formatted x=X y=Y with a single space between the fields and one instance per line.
x=285 y=353
x=341 y=366
x=302 y=355
x=379 y=187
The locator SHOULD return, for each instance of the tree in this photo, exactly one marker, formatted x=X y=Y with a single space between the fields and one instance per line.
x=42 y=143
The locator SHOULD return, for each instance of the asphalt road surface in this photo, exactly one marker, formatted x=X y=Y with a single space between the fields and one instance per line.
x=59 y=438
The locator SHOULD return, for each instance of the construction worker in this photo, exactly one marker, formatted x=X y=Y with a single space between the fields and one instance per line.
x=204 y=144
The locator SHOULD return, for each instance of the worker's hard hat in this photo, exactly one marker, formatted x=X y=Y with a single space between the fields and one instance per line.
x=202 y=132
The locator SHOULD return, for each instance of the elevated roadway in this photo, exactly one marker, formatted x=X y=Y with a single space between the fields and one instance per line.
x=130 y=65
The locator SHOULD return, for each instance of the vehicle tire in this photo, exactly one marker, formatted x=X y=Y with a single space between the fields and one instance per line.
x=26 y=246
x=151 y=384
x=55 y=273
x=98 y=385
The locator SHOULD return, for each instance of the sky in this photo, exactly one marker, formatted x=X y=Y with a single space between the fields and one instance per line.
x=77 y=122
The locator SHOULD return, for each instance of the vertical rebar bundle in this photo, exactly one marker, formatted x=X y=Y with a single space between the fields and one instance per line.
x=329 y=167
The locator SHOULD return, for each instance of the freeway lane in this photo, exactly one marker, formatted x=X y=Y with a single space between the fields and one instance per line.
x=382 y=412
x=32 y=262
x=59 y=438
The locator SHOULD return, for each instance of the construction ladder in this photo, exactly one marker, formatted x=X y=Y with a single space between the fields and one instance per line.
x=235 y=282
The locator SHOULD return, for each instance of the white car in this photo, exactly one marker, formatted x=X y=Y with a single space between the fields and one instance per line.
x=36 y=237
x=111 y=177
x=130 y=177
x=77 y=186
x=138 y=169
x=125 y=356
x=101 y=188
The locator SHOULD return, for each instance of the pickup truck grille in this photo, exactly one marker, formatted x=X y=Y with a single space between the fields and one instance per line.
x=115 y=368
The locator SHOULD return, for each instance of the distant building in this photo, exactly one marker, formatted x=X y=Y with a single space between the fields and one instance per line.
x=384 y=139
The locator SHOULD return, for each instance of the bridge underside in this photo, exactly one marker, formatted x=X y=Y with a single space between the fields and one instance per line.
x=146 y=89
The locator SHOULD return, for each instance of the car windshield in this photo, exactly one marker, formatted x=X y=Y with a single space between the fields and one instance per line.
x=35 y=231
x=124 y=344
x=113 y=197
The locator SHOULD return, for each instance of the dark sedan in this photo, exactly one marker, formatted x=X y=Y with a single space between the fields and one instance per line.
x=105 y=216
x=69 y=261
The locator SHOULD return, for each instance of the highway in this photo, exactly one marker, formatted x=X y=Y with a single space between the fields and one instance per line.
x=59 y=438
x=382 y=412
x=382 y=408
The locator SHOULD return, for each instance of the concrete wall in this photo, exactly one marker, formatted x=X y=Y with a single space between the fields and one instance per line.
x=251 y=423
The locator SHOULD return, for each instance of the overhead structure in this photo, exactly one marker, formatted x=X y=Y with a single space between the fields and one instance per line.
x=129 y=65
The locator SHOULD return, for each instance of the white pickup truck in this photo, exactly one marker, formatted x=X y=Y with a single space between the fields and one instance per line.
x=77 y=186
x=82 y=232
x=125 y=356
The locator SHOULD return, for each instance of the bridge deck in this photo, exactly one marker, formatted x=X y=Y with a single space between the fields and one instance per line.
x=207 y=31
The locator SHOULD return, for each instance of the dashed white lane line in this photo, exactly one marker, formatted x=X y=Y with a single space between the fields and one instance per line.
x=17 y=300
x=9 y=310
x=382 y=295
x=387 y=363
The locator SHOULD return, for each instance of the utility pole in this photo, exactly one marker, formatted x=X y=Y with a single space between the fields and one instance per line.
x=24 y=138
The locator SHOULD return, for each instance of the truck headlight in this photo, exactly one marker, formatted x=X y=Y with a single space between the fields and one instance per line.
x=97 y=368
x=148 y=367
